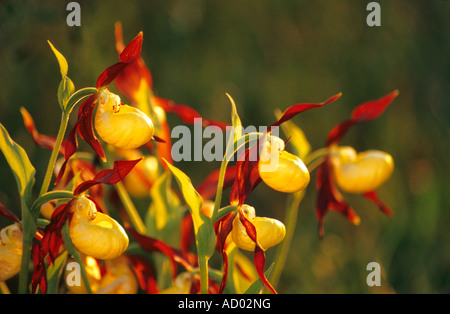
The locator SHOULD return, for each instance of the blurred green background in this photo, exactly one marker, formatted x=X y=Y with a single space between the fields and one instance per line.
x=268 y=55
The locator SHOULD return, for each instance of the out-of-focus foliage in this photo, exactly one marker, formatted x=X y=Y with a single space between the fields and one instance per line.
x=269 y=55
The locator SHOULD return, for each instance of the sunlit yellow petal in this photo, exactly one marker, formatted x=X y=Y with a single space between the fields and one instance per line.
x=363 y=172
x=10 y=251
x=121 y=125
x=281 y=170
x=269 y=231
x=96 y=234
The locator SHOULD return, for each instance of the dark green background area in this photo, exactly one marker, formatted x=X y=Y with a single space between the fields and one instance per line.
x=269 y=55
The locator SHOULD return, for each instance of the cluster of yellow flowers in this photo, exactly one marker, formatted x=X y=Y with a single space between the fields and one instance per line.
x=101 y=241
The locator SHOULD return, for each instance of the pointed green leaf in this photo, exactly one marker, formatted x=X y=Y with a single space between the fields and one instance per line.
x=63 y=66
x=235 y=120
x=54 y=273
x=203 y=227
x=19 y=163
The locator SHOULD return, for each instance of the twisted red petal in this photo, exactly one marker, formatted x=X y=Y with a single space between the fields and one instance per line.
x=109 y=176
x=259 y=256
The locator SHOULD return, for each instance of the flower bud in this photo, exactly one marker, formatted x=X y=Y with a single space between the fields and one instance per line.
x=11 y=242
x=269 y=231
x=96 y=234
x=360 y=173
x=280 y=170
x=121 y=125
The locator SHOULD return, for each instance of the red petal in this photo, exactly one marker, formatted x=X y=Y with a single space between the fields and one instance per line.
x=8 y=214
x=296 y=109
x=247 y=175
x=39 y=276
x=338 y=132
x=158 y=139
x=186 y=113
x=330 y=198
x=109 y=74
x=144 y=273
x=365 y=112
x=85 y=127
x=259 y=257
x=373 y=197
x=372 y=109
x=222 y=229
x=49 y=244
x=109 y=176
x=132 y=51
x=129 y=54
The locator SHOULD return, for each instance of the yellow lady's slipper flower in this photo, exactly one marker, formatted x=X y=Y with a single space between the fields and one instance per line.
x=121 y=125
x=11 y=242
x=117 y=277
x=269 y=231
x=283 y=172
x=360 y=172
x=96 y=234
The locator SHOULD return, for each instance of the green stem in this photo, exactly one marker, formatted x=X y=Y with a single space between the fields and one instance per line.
x=128 y=204
x=54 y=155
x=204 y=278
x=283 y=249
x=218 y=199
x=130 y=208
x=320 y=153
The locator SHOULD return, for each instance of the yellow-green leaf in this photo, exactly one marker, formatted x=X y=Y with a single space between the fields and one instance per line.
x=203 y=227
x=63 y=66
x=19 y=163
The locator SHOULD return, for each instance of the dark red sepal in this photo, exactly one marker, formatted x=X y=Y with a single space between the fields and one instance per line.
x=145 y=274
x=222 y=228
x=364 y=112
x=294 y=110
x=259 y=256
x=373 y=197
x=8 y=214
x=129 y=54
x=329 y=197
x=44 y=141
x=109 y=176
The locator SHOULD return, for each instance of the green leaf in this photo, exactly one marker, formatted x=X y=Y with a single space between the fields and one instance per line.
x=19 y=163
x=65 y=90
x=235 y=120
x=54 y=273
x=164 y=214
x=203 y=227
x=63 y=66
